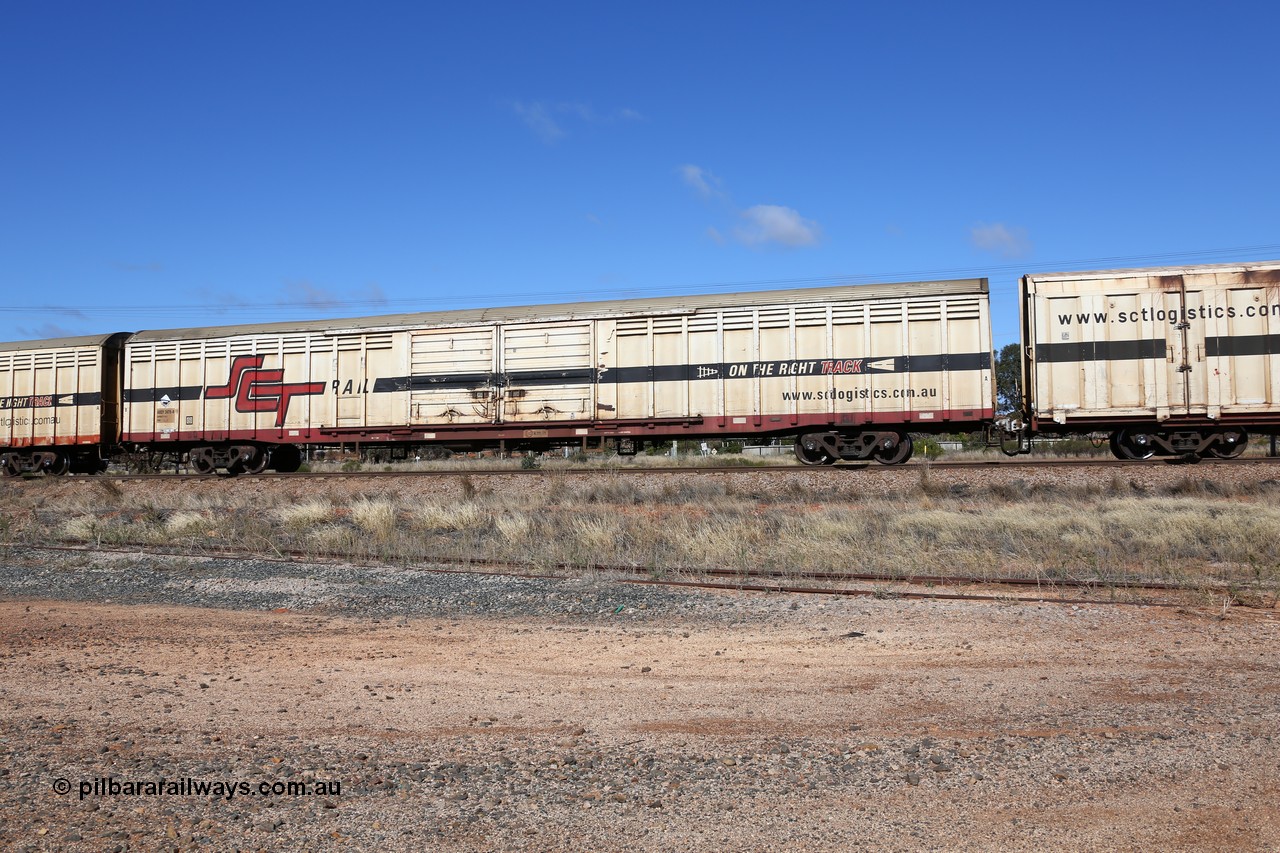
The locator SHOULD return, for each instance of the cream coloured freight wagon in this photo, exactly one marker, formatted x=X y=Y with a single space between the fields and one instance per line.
x=59 y=409
x=851 y=369
x=1169 y=360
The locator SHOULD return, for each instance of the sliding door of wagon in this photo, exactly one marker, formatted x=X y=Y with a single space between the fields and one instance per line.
x=548 y=371
x=452 y=376
x=1242 y=349
x=1115 y=348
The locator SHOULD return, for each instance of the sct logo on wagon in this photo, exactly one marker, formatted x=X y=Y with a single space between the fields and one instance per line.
x=258 y=390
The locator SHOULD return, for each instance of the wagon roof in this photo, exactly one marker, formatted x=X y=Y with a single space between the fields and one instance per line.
x=667 y=305
x=1140 y=272
x=58 y=343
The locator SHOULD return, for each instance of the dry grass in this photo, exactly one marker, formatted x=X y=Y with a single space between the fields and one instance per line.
x=1195 y=532
x=304 y=516
x=377 y=518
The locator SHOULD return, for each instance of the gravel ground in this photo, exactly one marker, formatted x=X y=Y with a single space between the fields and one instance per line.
x=464 y=712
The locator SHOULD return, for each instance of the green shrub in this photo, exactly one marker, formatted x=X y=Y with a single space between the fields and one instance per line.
x=928 y=447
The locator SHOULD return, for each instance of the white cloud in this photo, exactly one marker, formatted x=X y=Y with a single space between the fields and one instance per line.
x=771 y=223
x=1001 y=239
x=705 y=184
x=761 y=224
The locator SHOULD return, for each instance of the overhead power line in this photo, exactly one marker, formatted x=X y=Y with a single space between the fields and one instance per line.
x=417 y=303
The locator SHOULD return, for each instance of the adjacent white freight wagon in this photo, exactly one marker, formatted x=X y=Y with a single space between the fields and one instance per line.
x=59 y=407
x=850 y=369
x=1171 y=360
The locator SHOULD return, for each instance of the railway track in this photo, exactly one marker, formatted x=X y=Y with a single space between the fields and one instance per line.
x=915 y=586
x=625 y=469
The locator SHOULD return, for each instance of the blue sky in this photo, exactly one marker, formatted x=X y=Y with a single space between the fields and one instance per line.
x=169 y=164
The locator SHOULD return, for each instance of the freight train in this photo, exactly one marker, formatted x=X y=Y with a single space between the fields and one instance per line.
x=1181 y=362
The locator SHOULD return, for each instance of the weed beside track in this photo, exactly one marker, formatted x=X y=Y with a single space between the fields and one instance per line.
x=1221 y=535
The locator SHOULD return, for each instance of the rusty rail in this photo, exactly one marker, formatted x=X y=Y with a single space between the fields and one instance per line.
x=744 y=579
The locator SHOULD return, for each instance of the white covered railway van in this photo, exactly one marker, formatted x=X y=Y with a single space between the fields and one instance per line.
x=59 y=406
x=1170 y=360
x=850 y=369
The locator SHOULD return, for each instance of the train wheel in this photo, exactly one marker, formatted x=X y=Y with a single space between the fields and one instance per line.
x=898 y=453
x=258 y=462
x=811 y=452
x=1123 y=446
x=1231 y=447
x=12 y=466
x=60 y=465
x=201 y=460
x=286 y=458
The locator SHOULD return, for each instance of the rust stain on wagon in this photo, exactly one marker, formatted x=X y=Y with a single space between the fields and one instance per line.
x=1262 y=277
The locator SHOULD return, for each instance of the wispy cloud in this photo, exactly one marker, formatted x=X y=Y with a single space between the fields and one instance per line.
x=46 y=330
x=549 y=122
x=325 y=299
x=538 y=118
x=308 y=294
x=1001 y=239
x=373 y=294
x=128 y=266
x=705 y=184
x=757 y=226
x=771 y=223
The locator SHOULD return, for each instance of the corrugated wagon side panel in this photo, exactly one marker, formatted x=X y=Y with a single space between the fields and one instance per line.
x=451 y=375
x=384 y=354
x=814 y=333
x=548 y=372
x=632 y=373
x=1240 y=348
x=8 y=384
x=777 y=342
x=251 y=387
x=1175 y=344
x=51 y=396
x=966 y=388
x=706 y=396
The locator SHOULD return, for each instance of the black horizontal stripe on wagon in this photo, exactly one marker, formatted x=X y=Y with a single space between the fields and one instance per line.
x=776 y=369
x=174 y=393
x=50 y=401
x=1229 y=345
x=1101 y=351
x=469 y=381
x=786 y=368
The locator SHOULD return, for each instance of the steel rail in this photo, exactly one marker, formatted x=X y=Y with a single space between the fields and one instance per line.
x=984 y=465
x=294 y=557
